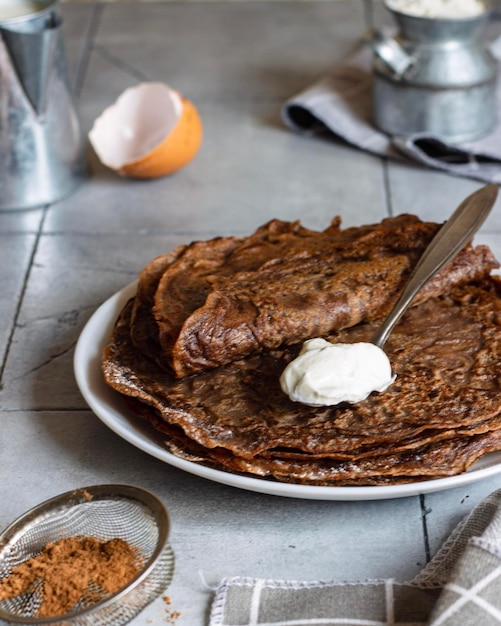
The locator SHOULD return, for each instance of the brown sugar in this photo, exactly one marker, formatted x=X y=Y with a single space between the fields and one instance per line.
x=170 y=616
x=67 y=567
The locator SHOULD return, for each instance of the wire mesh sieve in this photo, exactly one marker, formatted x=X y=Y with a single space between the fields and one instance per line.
x=104 y=512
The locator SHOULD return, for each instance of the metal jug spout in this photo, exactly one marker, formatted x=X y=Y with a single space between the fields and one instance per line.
x=390 y=51
x=42 y=148
x=32 y=56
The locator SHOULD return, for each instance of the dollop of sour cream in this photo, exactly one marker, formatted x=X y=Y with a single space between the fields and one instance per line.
x=325 y=374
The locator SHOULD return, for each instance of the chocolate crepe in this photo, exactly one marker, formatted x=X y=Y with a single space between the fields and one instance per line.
x=441 y=415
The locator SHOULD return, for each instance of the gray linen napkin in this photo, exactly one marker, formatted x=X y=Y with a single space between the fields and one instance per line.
x=461 y=586
x=342 y=104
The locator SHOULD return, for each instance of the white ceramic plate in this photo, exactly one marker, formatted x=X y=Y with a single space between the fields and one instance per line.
x=109 y=406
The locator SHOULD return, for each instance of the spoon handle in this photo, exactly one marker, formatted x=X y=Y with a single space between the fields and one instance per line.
x=457 y=231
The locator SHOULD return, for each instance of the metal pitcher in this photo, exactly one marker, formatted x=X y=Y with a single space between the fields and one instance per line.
x=42 y=149
x=435 y=76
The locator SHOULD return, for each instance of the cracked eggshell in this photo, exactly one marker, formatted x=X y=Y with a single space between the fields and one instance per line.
x=149 y=132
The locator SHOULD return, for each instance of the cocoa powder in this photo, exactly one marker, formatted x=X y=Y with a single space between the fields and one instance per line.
x=67 y=567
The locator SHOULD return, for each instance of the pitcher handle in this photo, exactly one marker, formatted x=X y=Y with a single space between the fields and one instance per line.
x=390 y=52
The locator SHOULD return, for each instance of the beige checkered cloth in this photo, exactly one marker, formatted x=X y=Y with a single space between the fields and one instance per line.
x=461 y=586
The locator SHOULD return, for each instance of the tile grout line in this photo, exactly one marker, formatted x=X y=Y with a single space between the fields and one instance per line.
x=426 y=537
x=387 y=186
x=119 y=64
x=88 y=47
x=38 y=236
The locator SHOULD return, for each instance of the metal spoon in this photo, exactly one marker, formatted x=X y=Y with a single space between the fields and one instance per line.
x=330 y=373
x=454 y=235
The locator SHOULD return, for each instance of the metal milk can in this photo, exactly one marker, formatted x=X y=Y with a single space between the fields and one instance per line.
x=42 y=151
x=435 y=76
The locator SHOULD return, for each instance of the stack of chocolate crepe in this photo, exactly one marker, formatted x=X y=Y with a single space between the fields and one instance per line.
x=198 y=353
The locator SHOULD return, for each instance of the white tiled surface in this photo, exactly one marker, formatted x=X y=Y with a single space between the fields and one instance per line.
x=237 y=62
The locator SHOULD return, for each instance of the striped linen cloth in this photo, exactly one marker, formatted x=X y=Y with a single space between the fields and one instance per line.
x=461 y=586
